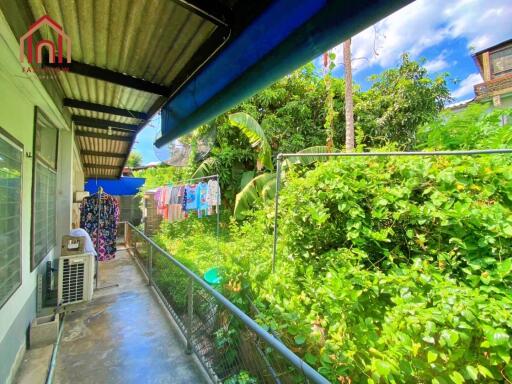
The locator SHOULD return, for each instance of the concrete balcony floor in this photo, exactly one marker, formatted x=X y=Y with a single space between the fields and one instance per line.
x=122 y=336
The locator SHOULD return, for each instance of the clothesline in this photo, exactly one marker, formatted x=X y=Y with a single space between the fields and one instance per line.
x=177 y=199
x=186 y=181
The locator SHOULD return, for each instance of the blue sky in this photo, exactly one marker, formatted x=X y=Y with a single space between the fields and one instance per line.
x=443 y=32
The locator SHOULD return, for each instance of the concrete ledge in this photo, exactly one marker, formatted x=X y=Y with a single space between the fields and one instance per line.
x=44 y=331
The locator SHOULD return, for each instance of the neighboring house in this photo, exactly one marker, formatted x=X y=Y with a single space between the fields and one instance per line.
x=459 y=105
x=495 y=65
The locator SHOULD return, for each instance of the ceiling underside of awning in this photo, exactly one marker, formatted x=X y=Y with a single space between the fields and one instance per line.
x=128 y=58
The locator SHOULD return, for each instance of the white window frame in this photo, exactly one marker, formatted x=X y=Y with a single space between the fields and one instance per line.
x=5 y=136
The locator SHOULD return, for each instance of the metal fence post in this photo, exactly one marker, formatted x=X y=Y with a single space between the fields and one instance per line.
x=127 y=237
x=276 y=210
x=190 y=311
x=150 y=265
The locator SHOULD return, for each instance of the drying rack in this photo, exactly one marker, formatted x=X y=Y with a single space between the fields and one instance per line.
x=97 y=245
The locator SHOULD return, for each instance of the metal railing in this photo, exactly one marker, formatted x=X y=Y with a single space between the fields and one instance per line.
x=232 y=347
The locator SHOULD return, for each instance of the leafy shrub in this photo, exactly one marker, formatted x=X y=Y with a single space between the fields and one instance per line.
x=456 y=210
x=477 y=126
x=389 y=270
x=397 y=270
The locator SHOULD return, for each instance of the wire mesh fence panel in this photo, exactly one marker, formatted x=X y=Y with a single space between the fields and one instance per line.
x=140 y=248
x=121 y=233
x=172 y=283
x=232 y=352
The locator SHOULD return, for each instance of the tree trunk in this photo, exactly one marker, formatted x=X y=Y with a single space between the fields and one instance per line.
x=349 y=102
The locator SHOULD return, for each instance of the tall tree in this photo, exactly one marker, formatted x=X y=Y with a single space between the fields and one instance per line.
x=329 y=101
x=398 y=102
x=349 y=102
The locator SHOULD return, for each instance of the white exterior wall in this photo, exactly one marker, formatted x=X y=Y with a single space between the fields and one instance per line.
x=19 y=94
x=78 y=183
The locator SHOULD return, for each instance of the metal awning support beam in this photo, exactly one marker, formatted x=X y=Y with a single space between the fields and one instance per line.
x=103 y=154
x=111 y=76
x=101 y=166
x=103 y=124
x=95 y=135
x=79 y=104
x=211 y=10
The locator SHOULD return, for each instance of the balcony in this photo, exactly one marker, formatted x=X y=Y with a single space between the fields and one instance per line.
x=160 y=324
x=493 y=87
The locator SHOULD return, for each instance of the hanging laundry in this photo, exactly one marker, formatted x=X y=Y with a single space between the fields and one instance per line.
x=175 y=205
x=99 y=216
x=184 y=202
x=202 y=195
x=165 y=202
x=192 y=200
x=213 y=196
x=158 y=198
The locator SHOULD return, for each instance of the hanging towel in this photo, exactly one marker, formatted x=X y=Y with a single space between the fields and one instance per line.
x=202 y=195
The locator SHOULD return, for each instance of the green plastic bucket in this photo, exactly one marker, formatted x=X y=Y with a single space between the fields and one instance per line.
x=212 y=276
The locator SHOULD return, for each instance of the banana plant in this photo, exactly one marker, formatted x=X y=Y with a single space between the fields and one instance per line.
x=260 y=188
x=250 y=127
x=263 y=187
x=306 y=160
x=207 y=167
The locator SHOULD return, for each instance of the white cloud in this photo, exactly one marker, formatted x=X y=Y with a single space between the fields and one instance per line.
x=426 y=23
x=466 y=86
x=438 y=63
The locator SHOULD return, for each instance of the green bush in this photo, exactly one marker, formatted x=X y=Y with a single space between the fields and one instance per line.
x=388 y=270
x=396 y=270
x=476 y=127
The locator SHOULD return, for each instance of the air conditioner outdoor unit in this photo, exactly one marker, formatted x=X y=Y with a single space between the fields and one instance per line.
x=76 y=278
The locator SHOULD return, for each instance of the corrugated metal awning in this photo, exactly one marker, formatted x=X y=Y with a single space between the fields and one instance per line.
x=127 y=58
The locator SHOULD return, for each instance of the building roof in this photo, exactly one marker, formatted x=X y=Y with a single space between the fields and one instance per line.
x=460 y=104
x=127 y=59
x=494 y=47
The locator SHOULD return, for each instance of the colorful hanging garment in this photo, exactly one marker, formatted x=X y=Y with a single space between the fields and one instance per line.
x=176 y=204
x=192 y=200
x=202 y=195
x=213 y=196
x=100 y=215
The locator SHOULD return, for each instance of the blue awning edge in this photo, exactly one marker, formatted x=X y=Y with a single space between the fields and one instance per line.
x=124 y=186
x=288 y=34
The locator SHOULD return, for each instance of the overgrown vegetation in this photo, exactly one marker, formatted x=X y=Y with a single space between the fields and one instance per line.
x=389 y=270
x=293 y=115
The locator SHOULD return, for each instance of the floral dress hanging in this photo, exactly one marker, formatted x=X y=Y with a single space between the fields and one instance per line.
x=100 y=216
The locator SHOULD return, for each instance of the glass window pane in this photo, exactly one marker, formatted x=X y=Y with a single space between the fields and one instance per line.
x=501 y=61
x=44 y=211
x=10 y=218
x=46 y=140
x=45 y=183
